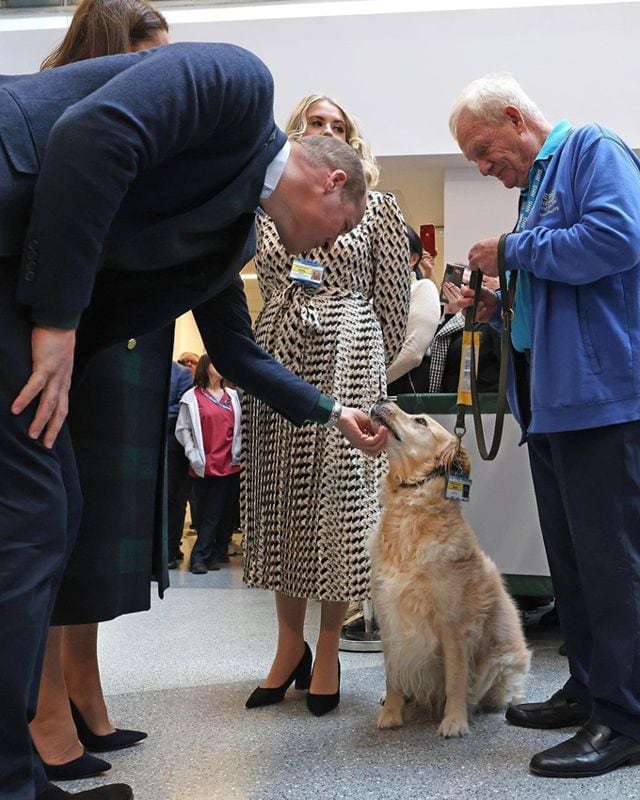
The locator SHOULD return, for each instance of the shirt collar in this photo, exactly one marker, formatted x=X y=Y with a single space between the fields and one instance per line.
x=275 y=170
x=556 y=136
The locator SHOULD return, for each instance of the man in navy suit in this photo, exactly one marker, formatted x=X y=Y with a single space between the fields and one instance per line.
x=178 y=480
x=127 y=194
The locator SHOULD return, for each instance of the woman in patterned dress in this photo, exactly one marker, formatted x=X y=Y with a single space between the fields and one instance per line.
x=311 y=499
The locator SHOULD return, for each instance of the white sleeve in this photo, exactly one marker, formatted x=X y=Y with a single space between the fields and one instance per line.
x=184 y=434
x=424 y=317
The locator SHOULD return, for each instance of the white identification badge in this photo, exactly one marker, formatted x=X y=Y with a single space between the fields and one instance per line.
x=458 y=487
x=306 y=271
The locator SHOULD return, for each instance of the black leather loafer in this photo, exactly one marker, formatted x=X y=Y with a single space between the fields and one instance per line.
x=559 y=711
x=594 y=750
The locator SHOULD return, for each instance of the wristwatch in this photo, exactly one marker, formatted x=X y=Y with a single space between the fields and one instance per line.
x=334 y=416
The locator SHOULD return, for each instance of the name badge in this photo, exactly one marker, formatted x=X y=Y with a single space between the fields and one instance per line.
x=306 y=271
x=458 y=487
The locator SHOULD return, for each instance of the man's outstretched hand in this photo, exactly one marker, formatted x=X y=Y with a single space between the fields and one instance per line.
x=358 y=430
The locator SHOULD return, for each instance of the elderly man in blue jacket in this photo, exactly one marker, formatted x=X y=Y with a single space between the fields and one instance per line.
x=128 y=187
x=575 y=389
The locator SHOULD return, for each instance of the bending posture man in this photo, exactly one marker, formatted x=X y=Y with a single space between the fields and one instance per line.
x=127 y=194
x=575 y=389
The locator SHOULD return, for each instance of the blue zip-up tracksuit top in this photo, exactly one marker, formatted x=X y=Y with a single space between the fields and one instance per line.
x=581 y=247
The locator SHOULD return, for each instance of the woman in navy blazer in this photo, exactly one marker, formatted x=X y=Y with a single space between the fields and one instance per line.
x=117 y=423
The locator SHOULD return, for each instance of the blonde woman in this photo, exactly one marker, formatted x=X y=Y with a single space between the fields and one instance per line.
x=336 y=318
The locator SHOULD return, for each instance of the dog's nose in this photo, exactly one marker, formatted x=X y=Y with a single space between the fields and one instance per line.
x=380 y=405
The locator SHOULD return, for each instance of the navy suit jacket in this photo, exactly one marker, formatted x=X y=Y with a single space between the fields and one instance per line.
x=181 y=382
x=133 y=185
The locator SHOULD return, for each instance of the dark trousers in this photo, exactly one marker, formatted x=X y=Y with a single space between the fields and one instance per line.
x=39 y=515
x=178 y=488
x=215 y=497
x=587 y=486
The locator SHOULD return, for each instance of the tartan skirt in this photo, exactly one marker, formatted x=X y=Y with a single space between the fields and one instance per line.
x=118 y=422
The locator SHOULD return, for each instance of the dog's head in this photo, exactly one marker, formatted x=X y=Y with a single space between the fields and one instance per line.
x=417 y=445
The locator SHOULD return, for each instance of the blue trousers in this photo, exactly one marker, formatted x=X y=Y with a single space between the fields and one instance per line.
x=178 y=486
x=40 y=509
x=215 y=496
x=587 y=486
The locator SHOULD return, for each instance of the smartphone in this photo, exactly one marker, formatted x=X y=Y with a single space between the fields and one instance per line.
x=428 y=239
x=453 y=273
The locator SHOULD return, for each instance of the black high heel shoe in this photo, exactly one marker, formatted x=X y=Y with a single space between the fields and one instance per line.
x=117 y=740
x=301 y=675
x=321 y=704
x=85 y=766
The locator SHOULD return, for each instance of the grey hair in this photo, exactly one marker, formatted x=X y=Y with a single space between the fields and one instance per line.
x=487 y=97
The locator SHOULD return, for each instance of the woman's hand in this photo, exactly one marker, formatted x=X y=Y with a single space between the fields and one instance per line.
x=453 y=294
x=52 y=351
x=358 y=430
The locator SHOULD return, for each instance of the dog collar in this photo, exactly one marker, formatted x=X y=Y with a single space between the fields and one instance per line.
x=437 y=472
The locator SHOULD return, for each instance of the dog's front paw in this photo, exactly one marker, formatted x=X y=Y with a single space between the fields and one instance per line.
x=390 y=718
x=453 y=726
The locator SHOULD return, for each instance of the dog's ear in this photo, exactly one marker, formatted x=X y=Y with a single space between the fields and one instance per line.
x=454 y=458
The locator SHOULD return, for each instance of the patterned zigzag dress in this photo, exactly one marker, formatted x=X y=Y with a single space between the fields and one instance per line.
x=310 y=499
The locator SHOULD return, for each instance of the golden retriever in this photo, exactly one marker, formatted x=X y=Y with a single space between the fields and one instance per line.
x=451 y=634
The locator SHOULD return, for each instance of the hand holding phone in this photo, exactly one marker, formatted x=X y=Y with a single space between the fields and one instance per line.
x=453 y=273
x=428 y=239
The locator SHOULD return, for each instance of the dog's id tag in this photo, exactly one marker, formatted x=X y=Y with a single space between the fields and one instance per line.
x=306 y=271
x=458 y=487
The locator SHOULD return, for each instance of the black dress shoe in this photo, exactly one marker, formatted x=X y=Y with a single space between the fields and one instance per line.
x=321 y=704
x=301 y=675
x=198 y=568
x=550 y=619
x=172 y=564
x=84 y=767
x=213 y=564
x=117 y=740
x=559 y=711
x=594 y=750
x=114 y=791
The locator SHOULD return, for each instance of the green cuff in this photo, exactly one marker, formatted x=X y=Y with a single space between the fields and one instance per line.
x=51 y=319
x=322 y=410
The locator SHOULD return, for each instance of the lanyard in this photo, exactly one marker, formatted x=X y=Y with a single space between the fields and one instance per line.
x=226 y=406
x=534 y=186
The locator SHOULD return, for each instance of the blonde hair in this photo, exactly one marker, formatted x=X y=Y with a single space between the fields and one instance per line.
x=297 y=125
x=487 y=97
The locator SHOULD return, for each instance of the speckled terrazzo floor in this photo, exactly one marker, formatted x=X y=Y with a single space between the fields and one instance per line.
x=183 y=670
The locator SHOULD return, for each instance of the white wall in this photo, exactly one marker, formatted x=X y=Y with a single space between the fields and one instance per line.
x=401 y=71
x=474 y=208
x=187 y=337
